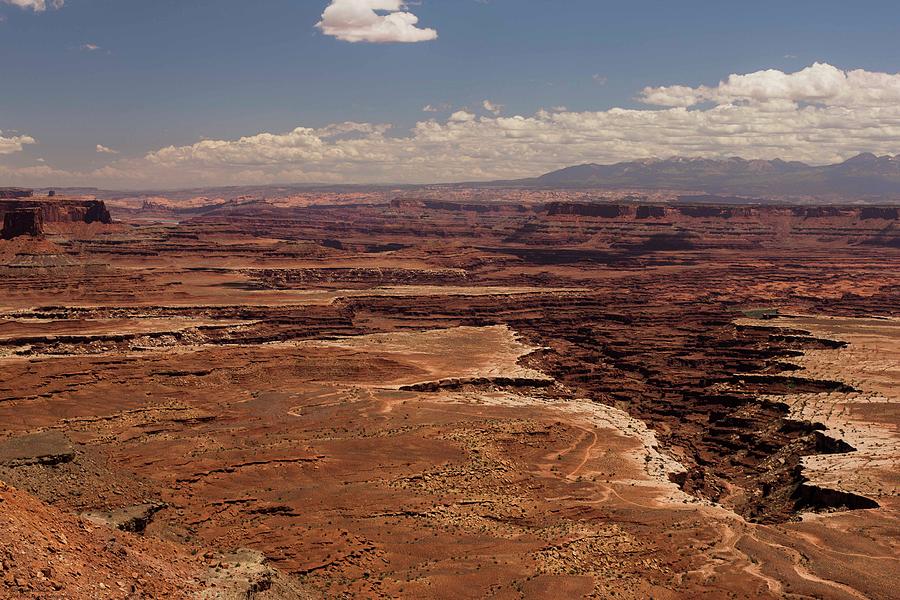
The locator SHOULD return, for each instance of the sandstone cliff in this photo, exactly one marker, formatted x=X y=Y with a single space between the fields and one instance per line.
x=22 y=221
x=26 y=216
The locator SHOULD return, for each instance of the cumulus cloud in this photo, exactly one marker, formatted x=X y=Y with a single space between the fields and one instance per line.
x=462 y=116
x=364 y=21
x=9 y=145
x=820 y=84
x=36 y=5
x=101 y=149
x=816 y=122
x=492 y=107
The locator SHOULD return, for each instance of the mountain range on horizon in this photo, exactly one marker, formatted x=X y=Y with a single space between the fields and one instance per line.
x=864 y=175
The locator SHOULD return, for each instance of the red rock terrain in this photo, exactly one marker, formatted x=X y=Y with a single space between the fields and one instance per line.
x=432 y=398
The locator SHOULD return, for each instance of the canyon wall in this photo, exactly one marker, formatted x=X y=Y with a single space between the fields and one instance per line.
x=22 y=221
x=27 y=215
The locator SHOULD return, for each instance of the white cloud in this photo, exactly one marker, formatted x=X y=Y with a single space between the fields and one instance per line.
x=101 y=149
x=9 y=145
x=462 y=116
x=492 y=108
x=363 y=21
x=820 y=84
x=90 y=47
x=599 y=79
x=36 y=5
x=435 y=108
x=783 y=122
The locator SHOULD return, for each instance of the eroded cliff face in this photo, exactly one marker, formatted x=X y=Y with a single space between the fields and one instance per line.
x=638 y=227
x=763 y=213
x=25 y=215
x=22 y=221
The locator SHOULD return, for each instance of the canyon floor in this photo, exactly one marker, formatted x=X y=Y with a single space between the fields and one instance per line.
x=415 y=398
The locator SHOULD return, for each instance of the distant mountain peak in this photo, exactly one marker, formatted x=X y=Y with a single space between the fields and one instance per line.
x=863 y=157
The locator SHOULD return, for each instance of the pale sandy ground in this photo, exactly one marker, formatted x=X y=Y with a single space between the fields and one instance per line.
x=867 y=419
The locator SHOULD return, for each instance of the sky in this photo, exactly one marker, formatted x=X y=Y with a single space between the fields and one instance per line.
x=137 y=94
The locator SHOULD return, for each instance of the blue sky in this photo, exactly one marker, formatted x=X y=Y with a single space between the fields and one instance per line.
x=175 y=72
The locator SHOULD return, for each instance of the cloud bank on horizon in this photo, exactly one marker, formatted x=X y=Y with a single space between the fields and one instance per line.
x=819 y=114
x=360 y=21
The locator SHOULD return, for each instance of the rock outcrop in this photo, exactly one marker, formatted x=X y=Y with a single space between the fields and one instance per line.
x=22 y=221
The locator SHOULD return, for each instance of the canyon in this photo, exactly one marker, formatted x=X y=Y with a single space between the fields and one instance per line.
x=427 y=394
